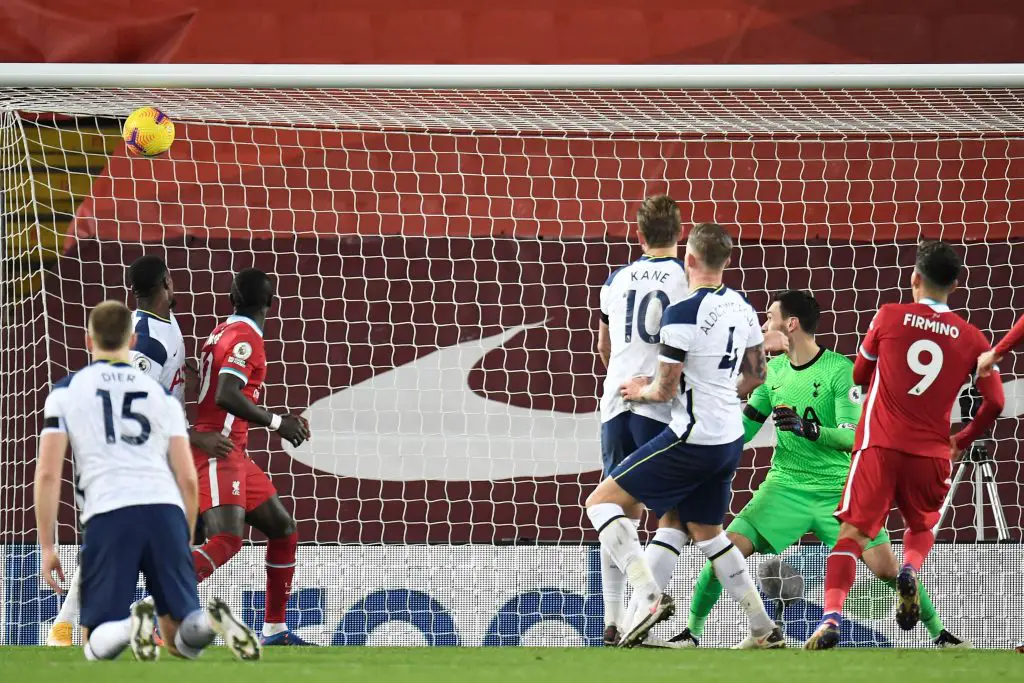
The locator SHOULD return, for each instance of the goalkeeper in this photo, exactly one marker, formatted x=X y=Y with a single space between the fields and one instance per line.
x=816 y=407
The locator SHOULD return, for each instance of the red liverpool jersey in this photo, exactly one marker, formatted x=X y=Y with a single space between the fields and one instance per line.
x=235 y=348
x=924 y=354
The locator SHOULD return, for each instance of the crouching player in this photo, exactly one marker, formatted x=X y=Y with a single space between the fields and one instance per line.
x=816 y=407
x=137 y=491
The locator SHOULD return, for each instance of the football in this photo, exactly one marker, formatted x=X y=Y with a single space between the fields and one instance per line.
x=148 y=132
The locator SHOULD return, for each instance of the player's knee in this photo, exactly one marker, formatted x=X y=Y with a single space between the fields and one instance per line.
x=229 y=544
x=284 y=527
x=742 y=542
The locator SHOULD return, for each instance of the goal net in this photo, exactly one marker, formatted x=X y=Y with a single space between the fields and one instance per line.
x=438 y=256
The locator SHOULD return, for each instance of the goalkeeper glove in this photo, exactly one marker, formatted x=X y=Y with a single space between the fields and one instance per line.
x=787 y=420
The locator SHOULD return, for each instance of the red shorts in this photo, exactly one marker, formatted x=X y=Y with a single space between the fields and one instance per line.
x=232 y=481
x=880 y=477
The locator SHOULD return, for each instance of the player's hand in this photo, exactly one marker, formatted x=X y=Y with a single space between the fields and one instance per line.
x=787 y=420
x=631 y=389
x=986 y=362
x=294 y=429
x=955 y=452
x=212 y=443
x=49 y=566
x=775 y=342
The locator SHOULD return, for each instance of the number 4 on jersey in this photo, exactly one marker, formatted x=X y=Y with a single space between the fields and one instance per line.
x=732 y=355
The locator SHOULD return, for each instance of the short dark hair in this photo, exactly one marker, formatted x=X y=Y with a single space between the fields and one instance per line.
x=252 y=290
x=659 y=221
x=711 y=243
x=110 y=326
x=794 y=303
x=146 y=275
x=938 y=263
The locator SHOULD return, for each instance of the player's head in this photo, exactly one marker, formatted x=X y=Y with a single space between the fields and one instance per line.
x=708 y=248
x=793 y=311
x=149 y=279
x=110 y=329
x=937 y=270
x=659 y=222
x=252 y=292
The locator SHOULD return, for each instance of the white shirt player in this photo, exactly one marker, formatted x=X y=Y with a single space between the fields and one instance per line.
x=709 y=331
x=633 y=301
x=119 y=422
x=159 y=351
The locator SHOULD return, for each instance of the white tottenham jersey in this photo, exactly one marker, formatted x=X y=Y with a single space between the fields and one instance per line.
x=633 y=301
x=709 y=331
x=119 y=422
x=159 y=351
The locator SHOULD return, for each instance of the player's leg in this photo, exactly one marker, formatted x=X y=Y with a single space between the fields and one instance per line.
x=704 y=506
x=109 y=573
x=617 y=442
x=168 y=568
x=867 y=498
x=266 y=512
x=920 y=491
x=638 y=478
x=222 y=508
x=63 y=629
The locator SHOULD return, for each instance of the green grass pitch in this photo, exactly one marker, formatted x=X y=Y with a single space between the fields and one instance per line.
x=513 y=664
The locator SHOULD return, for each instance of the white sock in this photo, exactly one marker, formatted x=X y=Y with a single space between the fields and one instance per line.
x=195 y=632
x=619 y=537
x=613 y=588
x=106 y=641
x=662 y=553
x=273 y=629
x=69 y=608
x=731 y=569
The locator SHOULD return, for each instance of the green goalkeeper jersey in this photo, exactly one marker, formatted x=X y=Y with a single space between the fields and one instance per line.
x=821 y=391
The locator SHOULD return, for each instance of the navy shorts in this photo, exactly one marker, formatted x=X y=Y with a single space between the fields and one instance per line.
x=153 y=539
x=623 y=434
x=668 y=474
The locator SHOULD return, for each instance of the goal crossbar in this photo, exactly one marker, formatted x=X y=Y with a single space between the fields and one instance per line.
x=514 y=77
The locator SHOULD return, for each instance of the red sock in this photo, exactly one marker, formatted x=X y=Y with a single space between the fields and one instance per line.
x=916 y=546
x=840 y=572
x=214 y=553
x=280 y=569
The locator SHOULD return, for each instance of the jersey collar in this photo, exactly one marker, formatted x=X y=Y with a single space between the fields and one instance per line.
x=934 y=305
x=154 y=316
x=248 y=321
x=819 y=354
x=114 y=363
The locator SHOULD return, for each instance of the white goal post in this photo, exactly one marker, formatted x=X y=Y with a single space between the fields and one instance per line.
x=438 y=235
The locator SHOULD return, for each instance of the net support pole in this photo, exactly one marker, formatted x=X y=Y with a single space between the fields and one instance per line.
x=514 y=77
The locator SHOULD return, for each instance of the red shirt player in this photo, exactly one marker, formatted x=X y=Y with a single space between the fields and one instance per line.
x=915 y=359
x=233 y=490
x=988 y=360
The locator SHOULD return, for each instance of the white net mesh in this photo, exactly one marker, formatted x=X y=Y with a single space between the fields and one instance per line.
x=438 y=256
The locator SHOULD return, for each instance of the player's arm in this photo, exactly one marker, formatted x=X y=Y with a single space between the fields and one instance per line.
x=988 y=360
x=758 y=407
x=663 y=387
x=53 y=446
x=867 y=354
x=604 y=342
x=753 y=370
x=229 y=397
x=993 y=399
x=148 y=356
x=179 y=457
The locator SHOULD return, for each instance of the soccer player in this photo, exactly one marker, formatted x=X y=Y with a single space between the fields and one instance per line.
x=136 y=489
x=233 y=490
x=816 y=408
x=916 y=357
x=633 y=300
x=158 y=351
x=707 y=340
x=988 y=360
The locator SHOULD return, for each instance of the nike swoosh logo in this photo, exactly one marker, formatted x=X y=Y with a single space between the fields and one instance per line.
x=1014 y=407
x=422 y=421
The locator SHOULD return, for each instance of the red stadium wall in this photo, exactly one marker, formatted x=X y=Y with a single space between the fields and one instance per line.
x=523 y=31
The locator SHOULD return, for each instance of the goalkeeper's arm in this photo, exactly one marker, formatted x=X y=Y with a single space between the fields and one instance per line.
x=756 y=412
x=847 y=406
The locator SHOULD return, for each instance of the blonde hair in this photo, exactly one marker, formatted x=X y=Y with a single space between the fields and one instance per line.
x=711 y=243
x=110 y=326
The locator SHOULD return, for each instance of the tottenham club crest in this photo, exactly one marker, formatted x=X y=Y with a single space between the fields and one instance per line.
x=242 y=350
x=141 y=363
x=856 y=395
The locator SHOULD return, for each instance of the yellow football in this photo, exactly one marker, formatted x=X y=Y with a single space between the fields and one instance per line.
x=148 y=132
